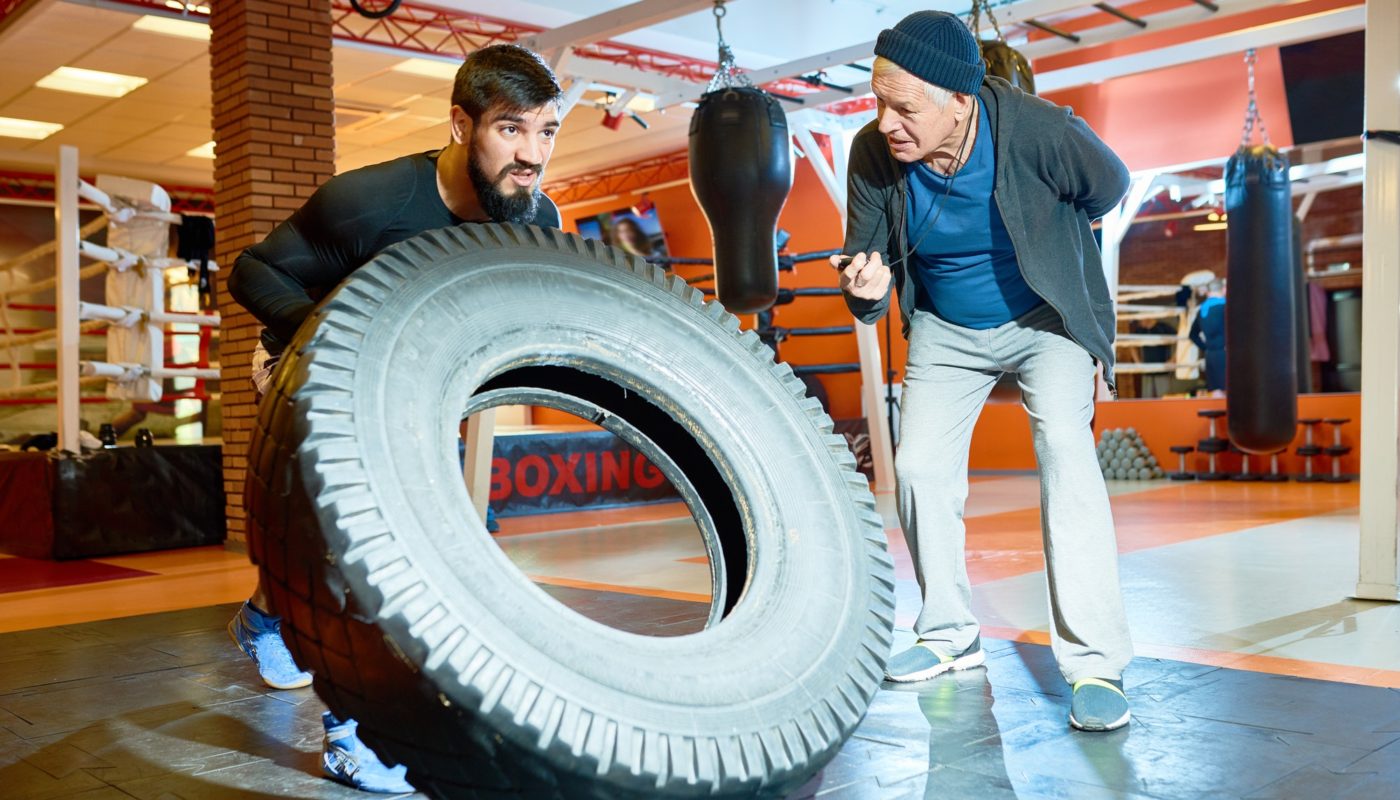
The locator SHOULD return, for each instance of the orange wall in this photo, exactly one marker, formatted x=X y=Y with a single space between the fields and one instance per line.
x=1190 y=112
x=1002 y=438
x=1161 y=118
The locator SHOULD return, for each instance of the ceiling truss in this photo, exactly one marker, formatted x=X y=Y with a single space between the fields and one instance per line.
x=585 y=49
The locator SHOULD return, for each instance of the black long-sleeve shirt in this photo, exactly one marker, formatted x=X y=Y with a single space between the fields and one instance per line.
x=347 y=222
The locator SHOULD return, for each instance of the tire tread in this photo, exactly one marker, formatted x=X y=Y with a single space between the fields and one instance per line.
x=313 y=424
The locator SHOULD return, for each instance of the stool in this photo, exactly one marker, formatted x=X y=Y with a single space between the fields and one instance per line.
x=1308 y=449
x=1181 y=474
x=1212 y=445
x=1274 y=476
x=1336 y=451
x=1244 y=475
x=1212 y=415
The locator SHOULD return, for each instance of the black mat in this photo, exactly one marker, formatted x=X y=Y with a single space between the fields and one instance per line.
x=163 y=706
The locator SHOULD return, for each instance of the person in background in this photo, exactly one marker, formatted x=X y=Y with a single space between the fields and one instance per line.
x=1208 y=333
x=1155 y=384
x=628 y=235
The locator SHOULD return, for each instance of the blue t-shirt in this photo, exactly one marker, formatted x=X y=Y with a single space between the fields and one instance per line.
x=1211 y=322
x=965 y=263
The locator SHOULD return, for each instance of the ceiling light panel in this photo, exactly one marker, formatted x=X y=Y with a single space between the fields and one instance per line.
x=168 y=26
x=90 y=81
x=27 y=128
x=427 y=68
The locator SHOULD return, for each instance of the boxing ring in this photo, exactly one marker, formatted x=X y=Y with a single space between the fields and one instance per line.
x=864 y=444
x=136 y=320
x=1186 y=361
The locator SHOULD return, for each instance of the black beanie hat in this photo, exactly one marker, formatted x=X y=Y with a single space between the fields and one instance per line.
x=936 y=47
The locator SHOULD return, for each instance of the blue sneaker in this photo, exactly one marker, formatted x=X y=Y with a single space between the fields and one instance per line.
x=1099 y=705
x=345 y=759
x=259 y=635
x=926 y=660
x=492 y=526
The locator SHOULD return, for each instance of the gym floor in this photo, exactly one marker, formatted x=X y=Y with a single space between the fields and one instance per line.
x=1256 y=675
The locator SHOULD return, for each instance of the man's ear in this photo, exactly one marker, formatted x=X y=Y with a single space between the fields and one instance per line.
x=461 y=125
x=964 y=106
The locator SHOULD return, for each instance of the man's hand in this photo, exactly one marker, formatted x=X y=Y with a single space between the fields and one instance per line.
x=866 y=277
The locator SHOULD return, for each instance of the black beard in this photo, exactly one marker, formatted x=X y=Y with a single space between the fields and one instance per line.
x=518 y=206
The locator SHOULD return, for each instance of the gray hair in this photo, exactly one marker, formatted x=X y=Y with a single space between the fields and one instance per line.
x=937 y=95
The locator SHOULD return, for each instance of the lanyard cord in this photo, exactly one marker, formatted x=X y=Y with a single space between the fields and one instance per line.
x=926 y=226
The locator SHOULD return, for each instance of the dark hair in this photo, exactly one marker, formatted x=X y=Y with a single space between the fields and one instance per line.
x=504 y=75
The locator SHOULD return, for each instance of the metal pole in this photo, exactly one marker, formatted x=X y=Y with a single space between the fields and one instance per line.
x=1115 y=226
x=1378 y=574
x=65 y=213
x=872 y=376
x=824 y=171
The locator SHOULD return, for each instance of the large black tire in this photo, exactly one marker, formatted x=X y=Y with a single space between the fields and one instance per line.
x=455 y=664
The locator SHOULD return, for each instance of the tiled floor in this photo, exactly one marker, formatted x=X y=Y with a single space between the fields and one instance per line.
x=1256 y=676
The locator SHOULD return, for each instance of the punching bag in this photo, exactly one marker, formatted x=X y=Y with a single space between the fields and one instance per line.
x=1002 y=60
x=741 y=173
x=1260 y=330
x=1005 y=62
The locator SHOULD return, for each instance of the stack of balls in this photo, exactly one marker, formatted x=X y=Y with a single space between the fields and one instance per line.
x=1124 y=456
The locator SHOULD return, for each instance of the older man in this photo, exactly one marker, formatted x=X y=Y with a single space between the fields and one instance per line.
x=974 y=201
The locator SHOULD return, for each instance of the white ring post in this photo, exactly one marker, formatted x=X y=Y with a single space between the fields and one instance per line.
x=65 y=212
x=478 y=437
x=1377 y=572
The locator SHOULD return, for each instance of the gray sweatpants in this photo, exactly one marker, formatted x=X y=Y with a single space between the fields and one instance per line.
x=950 y=373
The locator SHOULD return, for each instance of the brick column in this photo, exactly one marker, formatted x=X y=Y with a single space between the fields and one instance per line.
x=274 y=144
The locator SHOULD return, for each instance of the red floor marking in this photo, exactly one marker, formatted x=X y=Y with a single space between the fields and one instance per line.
x=619 y=589
x=24 y=574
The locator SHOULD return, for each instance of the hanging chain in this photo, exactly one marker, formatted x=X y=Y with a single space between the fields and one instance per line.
x=727 y=75
x=978 y=6
x=1251 y=114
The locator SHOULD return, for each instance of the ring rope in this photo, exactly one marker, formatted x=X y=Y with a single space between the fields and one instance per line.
x=49 y=283
x=43 y=336
x=1128 y=297
x=50 y=386
x=1129 y=314
x=1147 y=340
x=49 y=247
x=10 y=349
x=1149 y=368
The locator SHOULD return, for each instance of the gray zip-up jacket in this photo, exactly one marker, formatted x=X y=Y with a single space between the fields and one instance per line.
x=1053 y=177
